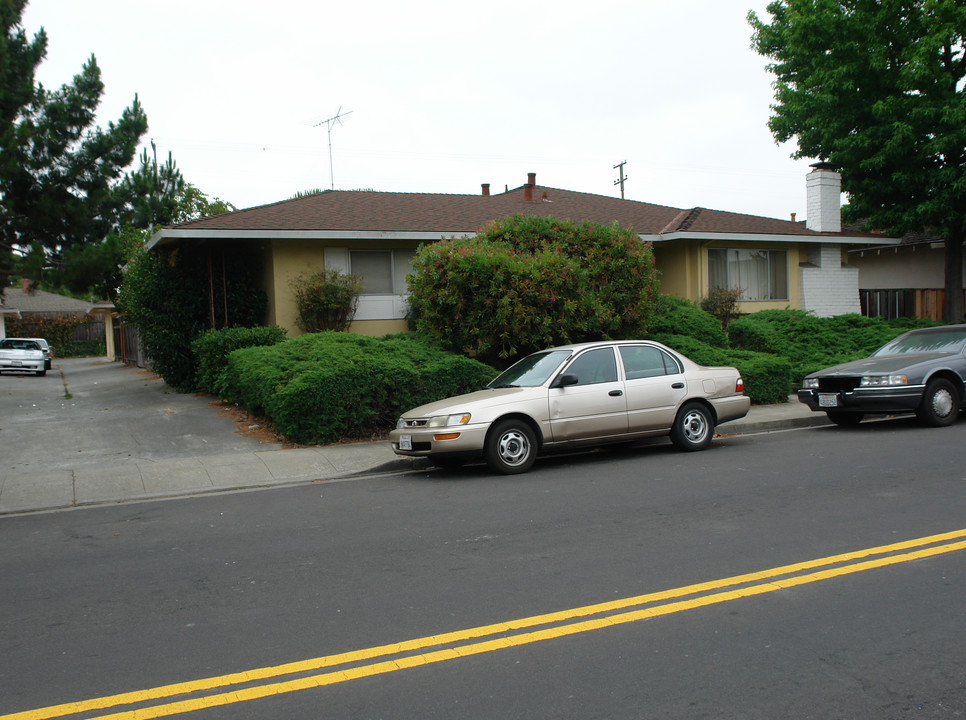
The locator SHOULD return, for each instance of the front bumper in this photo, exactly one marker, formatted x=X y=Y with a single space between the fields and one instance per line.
x=894 y=399
x=454 y=440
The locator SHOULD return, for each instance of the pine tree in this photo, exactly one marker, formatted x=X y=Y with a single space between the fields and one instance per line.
x=59 y=174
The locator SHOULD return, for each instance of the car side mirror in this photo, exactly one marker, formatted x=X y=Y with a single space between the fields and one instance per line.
x=564 y=380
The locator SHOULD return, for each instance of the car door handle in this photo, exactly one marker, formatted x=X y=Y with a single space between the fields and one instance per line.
x=677 y=386
x=616 y=393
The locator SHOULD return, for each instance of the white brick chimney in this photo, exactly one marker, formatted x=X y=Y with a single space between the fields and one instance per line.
x=824 y=193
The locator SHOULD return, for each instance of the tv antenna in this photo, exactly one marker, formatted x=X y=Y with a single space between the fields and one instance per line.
x=620 y=181
x=329 y=122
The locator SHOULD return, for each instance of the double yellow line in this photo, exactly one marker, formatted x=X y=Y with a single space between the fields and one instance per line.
x=252 y=685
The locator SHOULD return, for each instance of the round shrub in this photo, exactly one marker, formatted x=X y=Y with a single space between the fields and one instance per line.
x=525 y=283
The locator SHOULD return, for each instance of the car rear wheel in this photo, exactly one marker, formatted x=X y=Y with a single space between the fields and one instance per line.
x=41 y=373
x=844 y=419
x=940 y=403
x=693 y=427
x=511 y=447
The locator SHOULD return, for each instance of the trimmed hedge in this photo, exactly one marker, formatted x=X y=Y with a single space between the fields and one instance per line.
x=212 y=348
x=767 y=377
x=812 y=343
x=677 y=316
x=329 y=386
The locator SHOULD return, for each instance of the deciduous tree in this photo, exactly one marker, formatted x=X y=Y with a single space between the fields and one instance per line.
x=876 y=87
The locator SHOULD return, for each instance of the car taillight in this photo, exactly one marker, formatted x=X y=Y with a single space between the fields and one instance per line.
x=740 y=386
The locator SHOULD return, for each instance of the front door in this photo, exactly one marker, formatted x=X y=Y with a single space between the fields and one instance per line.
x=593 y=408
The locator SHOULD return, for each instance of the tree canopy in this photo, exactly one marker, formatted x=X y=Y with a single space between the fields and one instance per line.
x=876 y=88
x=61 y=188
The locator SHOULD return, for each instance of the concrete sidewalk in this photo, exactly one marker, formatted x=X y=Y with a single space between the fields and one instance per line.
x=94 y=432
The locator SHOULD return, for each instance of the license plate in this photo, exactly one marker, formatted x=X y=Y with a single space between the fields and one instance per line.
x=828 y=400
x=405 y=442
x=17 y=363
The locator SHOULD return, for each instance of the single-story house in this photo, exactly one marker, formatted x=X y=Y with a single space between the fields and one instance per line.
x=26 y=303
x=29 y=304
x=776 y=263
x=905 y=279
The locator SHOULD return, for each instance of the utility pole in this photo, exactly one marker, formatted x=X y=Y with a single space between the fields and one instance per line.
x=620 y=180
x=328 y=124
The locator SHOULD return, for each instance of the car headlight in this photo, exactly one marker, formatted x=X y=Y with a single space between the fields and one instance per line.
x=448 y=420
x=400 y=424
x=883 y=380
x=810 y=383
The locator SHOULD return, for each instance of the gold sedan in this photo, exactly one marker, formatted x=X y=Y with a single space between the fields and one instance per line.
x=575 y=396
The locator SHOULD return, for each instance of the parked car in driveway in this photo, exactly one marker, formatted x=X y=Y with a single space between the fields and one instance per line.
x=574 y=396
x=921 y=371
x=22 y=355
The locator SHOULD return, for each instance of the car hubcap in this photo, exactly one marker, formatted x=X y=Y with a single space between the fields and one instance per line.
x=695 y=427
x=942 y=403
x=514 y=447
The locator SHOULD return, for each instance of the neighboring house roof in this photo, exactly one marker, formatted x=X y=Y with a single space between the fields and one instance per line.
x=428 y=216
x=910 y=239
x=37 y=301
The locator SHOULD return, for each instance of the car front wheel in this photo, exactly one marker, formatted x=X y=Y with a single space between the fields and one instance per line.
x=940 y=403
x=693 y=427
x=511 y=447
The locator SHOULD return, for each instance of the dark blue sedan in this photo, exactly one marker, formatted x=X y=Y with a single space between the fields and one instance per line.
x=921 y=371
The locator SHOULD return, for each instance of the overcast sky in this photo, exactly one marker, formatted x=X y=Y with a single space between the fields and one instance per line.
x=441 y=96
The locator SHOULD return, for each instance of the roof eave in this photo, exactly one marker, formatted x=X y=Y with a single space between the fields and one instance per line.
x=163 y=236
x=772 y=238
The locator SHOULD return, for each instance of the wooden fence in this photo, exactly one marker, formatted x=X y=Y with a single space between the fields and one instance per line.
x=891 y=304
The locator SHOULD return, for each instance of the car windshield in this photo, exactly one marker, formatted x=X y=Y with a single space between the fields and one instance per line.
x=932 y=341
x=532 y=371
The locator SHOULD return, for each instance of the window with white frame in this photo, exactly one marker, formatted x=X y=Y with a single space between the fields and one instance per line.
x=759 y=274
x=383 y=272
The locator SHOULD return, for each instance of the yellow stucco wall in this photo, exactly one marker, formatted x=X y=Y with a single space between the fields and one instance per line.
x=285 y=261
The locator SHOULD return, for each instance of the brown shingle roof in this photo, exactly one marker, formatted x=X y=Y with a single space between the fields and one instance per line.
x=359 y=210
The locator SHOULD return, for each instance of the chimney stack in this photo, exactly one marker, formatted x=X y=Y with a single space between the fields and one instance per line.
x=528 y=188
x=824 y=196
x=486 y=189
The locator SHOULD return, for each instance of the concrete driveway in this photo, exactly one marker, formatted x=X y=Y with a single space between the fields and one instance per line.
x=95 y=431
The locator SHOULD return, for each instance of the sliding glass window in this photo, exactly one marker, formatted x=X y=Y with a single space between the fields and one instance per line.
x=759 y=274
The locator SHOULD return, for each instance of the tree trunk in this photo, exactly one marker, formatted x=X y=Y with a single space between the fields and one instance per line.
x=953 y=305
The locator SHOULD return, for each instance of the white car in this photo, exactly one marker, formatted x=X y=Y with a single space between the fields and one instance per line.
x=22 y=355
x=572 y=396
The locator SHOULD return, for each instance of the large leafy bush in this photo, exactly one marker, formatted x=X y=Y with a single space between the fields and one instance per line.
x=172 y=297
x=525 y=283
x=327 y=386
